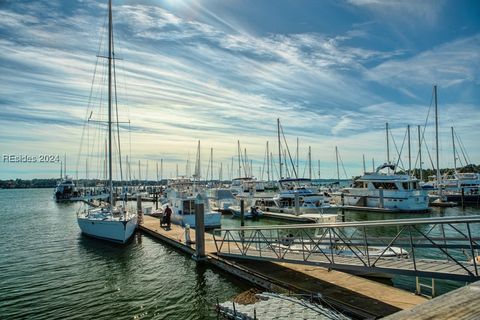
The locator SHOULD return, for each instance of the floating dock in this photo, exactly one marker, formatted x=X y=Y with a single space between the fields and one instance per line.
x=380 y=210
x=356 y=296
x=288 y=217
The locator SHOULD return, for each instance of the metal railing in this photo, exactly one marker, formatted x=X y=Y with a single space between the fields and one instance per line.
x=445 y=247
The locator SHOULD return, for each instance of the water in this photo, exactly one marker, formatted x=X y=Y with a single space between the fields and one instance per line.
x=48 y=270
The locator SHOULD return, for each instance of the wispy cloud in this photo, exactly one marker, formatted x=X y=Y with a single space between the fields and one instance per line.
x=423 y=12
x=447 y=65
x=186 y=79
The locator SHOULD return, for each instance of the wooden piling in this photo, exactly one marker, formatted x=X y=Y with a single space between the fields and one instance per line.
x=297 y=203
x=242 y=212
x=199 y=230
x=139 y=209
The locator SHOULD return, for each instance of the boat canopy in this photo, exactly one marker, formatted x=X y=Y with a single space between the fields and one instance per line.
x=391 y=166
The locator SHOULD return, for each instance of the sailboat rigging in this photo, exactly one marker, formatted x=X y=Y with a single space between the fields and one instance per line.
x=109 y=222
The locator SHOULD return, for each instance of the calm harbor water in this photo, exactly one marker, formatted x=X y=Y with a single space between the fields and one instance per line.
x=49 y=270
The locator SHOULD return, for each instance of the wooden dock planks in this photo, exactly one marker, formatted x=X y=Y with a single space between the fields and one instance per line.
x=460 y=304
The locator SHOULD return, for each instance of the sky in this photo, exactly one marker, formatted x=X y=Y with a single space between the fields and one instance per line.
x=222 y=71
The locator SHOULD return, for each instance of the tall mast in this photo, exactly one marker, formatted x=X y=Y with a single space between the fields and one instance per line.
x=388 y=144
x=279 y=148
x=146 y=173
x=454 y=152
x=110 y=40
x=65 y=165
x=211 y=163
x=409 y=153
x=198 y=163
x=246 y=168
x=309 y=162
x=436 y=139
x=268 y=163
x=297 y=157
x=420 y=152
x=319 y=176
x=271 y=163
x=239 y=162
x=139 y=172
x=338 y=169
x=129 y=171
x=105 y=163
x=161 y=169
x=364 y=168
x=220 y=172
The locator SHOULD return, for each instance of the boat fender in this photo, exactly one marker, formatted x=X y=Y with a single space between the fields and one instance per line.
x=188 y=240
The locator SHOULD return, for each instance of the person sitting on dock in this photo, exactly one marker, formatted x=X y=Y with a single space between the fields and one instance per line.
x=168 y=216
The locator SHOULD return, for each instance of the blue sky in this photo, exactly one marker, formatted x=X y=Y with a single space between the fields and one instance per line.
x=334 y=72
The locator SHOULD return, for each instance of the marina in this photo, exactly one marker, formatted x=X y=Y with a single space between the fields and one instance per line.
x=239 y=160
x=353 y=295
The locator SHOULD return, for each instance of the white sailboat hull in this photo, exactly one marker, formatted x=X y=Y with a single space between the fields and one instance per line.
x=114 y=230
x=212 y=220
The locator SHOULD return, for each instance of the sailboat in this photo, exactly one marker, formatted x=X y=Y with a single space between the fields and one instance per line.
x=108 y=222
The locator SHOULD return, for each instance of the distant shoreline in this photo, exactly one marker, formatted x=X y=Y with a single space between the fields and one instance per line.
x=52 y=182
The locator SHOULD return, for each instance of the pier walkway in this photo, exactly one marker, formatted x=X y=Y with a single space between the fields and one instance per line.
x=357 y=296
x=439 y=248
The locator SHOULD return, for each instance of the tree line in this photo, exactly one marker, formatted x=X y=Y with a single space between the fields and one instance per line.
x=52 y=183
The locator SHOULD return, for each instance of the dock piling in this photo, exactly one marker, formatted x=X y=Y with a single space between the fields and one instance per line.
x=297 y=203
x=242 y=212
x=139 y=209
x=199 y=230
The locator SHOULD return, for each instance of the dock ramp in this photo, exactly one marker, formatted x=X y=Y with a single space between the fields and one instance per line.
x=442 y=248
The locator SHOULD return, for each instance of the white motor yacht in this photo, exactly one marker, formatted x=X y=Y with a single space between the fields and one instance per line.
x=387 y=190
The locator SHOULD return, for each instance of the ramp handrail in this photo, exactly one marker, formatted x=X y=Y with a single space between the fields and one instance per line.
x=424 y=244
